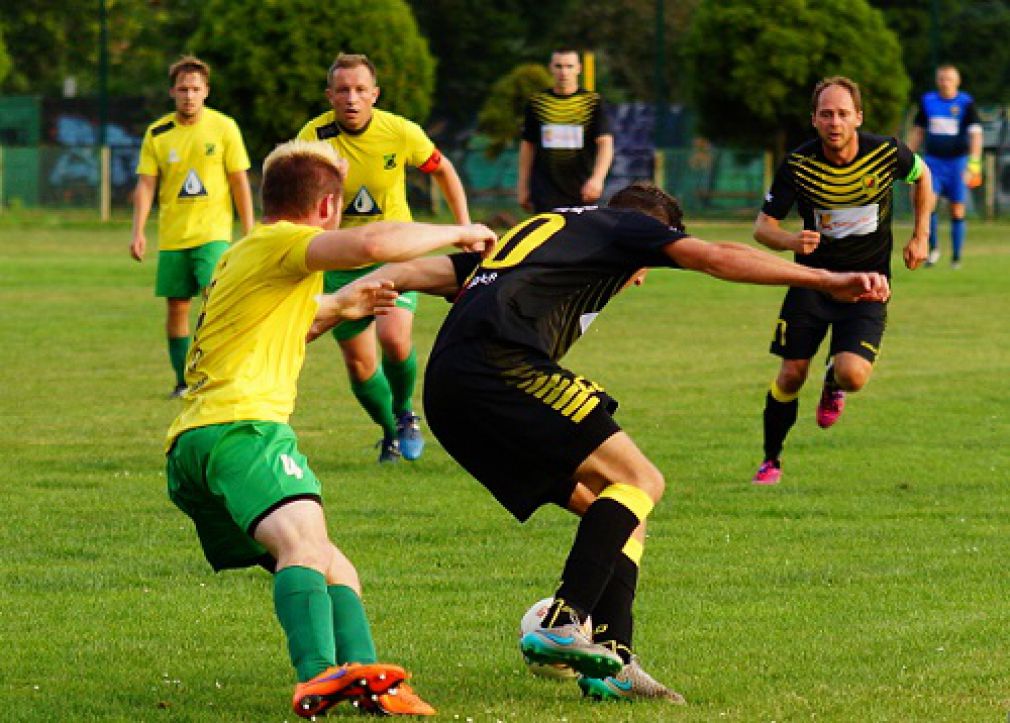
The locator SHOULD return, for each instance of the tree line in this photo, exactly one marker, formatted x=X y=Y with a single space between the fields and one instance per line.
x=745 y=66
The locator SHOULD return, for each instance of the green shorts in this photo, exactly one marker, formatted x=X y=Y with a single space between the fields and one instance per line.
x=185 y=273
x=333 y=280
x=228 y=477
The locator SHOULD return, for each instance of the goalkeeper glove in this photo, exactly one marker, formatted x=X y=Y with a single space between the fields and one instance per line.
x=974 y=174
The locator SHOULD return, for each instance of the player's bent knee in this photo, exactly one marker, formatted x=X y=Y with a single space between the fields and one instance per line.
x=341 y=571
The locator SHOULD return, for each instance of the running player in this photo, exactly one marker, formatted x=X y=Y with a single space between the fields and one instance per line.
x=842 y=183
x=233 y=462
x=379 y=146
x=535 y=433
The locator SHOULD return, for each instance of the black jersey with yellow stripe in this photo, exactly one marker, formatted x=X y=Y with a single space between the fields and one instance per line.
x=549 y=278
x=564 y=130
x=850 y=205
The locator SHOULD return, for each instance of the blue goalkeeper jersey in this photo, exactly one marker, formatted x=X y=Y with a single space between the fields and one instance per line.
x=946 y=122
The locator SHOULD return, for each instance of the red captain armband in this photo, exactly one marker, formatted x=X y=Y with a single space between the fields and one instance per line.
x=433 y=162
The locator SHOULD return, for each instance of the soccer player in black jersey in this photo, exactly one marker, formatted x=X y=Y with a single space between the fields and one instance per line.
x=842 y=183
x=534 y=433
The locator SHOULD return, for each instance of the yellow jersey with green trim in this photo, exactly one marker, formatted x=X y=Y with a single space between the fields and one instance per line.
x=850 y=205
x=192 y=163
x=378 y=155
x=249 y=344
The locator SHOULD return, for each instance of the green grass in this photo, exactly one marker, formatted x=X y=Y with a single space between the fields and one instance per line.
x=869 y=586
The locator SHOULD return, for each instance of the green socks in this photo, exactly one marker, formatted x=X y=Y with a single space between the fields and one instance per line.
x=304 y=610
x=402 y=376
x=350 y=627
x=376 y=398
x=178 y=347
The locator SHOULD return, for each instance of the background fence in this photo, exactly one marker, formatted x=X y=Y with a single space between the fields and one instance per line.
x=49 y=159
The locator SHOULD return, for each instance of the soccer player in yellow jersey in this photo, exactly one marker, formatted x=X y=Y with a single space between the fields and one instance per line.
x=233 y=462
x=196 y=160
x=379 y=145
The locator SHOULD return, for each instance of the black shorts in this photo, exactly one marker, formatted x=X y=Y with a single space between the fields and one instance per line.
x=521 y=427
x=806 y=315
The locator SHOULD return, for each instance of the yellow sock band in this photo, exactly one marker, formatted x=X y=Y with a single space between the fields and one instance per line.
x=779 y=396
x=633 y=498
x=633 y=550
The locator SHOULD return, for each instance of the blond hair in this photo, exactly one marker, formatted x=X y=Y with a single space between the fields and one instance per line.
x=297 y=175
x=188 y=64
x=350 y=60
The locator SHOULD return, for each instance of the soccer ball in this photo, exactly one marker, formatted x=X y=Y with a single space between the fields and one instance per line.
x=531 y=621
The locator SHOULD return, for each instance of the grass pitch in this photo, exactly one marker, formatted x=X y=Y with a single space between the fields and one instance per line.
x=870 y=585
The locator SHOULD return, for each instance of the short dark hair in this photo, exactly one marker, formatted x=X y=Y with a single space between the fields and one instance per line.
x=841 y=81
x=565 y=51
x=651 y=200
x=350 y=60
x=188 y=64
x=296 y=175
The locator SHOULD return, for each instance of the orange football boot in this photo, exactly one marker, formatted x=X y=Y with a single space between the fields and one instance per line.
x=349 y=681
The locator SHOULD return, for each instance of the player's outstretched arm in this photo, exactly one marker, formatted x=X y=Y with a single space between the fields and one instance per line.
x=387 y=241
x=768 y=232
x=360 y=298
x=744 y=264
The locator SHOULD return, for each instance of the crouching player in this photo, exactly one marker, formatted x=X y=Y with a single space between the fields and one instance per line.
x=534 y=433
x=233 y=461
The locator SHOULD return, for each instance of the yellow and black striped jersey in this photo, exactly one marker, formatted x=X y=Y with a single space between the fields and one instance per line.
x=850 y=205
x=549 y=278
x=564 y=129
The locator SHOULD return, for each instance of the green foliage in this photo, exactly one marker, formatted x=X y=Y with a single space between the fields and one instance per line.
x=270 y=60
x=970 y=34
x=476 y=42
x=624 y=36
x=755 y=63
x=5 y=59
x=50 y=40
x=501 y=116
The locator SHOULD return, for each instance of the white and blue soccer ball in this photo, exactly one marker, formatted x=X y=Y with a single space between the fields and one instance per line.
x=530 y=622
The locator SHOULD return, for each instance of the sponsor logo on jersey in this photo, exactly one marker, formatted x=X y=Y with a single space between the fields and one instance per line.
x=363 y=205
x=389 y=161
x=209 y=148
x=842 y=222
x=943 y=126
x=482 y=279
x=192 y=187
x=557 y=135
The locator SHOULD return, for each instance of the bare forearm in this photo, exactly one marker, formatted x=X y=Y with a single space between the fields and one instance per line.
x=745 y=264
x=380 y=242
x=922 y=202
x=242 y=195
x=143 y=198
x=768 y=233
x=604 y=157
x=429 y=275
x=452 y=188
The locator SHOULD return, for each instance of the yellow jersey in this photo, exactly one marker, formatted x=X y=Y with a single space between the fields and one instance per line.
x=192 y=163
x=376 y=186
x=249 y=344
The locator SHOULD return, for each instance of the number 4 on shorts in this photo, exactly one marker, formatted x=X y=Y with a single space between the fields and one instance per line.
x=291 y=467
